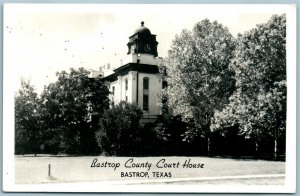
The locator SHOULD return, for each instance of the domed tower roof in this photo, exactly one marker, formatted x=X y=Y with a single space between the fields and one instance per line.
x=142 y=29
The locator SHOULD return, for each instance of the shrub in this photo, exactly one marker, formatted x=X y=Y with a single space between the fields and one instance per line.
x=119 y=133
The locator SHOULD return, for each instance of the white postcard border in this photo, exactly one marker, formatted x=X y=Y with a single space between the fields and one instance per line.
x=289 y=187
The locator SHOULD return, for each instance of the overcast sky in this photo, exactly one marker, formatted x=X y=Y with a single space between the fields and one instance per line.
x=40 y=40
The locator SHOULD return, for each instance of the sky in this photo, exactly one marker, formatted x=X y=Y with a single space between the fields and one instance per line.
x=41 y=39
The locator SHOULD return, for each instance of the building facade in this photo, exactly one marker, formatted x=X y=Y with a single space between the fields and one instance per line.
x=137 y=79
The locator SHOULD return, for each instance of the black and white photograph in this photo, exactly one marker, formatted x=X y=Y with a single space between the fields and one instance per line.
x=149 y=98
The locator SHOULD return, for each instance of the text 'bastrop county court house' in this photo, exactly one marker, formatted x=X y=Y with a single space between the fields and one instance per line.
x=137 y=79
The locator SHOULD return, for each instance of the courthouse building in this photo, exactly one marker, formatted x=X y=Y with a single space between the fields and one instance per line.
x=137 y=78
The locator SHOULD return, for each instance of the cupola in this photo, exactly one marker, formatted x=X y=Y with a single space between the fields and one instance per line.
x=142 y=42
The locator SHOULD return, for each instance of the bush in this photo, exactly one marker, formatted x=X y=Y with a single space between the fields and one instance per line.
x=168 y=131
x=119 y=133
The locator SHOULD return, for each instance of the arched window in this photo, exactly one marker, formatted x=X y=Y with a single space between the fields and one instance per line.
x=146 y=94
x=146 y=102
x=126 y=84
x=146 y=83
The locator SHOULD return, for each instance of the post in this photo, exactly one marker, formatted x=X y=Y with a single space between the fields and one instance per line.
x=49 y=169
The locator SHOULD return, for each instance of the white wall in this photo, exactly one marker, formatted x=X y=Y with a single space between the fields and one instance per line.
x=155 y=85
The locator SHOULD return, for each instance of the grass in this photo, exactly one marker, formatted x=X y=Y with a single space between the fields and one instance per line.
x=34 y=170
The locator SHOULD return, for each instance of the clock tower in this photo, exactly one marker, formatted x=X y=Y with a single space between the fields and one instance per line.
x=137 y=78
x=142 y=42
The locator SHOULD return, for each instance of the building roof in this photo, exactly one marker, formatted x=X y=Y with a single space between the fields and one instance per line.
x=123 y=70
x=142 y=29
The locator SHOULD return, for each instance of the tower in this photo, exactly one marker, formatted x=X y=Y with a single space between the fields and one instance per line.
x=142 y=42
x=137 y=79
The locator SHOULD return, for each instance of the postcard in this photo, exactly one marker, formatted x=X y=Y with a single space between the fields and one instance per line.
x=185 y=98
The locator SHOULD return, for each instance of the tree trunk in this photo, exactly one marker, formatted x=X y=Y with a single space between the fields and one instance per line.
x=256 y=148
x=275 y=145
x=207 y=134
x=257 y=144
x=208 y=146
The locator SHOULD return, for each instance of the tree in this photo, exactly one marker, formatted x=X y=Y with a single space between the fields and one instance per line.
x=199 y=80
x=119 y=132
x=72 y=107
x=27 y=130
x=258 y=105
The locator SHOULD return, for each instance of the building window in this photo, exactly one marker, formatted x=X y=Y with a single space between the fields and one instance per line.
x=112 y=99
x=113 y=90
x=146 y=83
x=126 y=98
x=164 y=84
x=146 y=94
x=146 y=102
x=126 y=84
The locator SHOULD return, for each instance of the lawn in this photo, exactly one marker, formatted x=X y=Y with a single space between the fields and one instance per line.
x=30 y=169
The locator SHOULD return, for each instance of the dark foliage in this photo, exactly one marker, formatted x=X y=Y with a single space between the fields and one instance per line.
x=27 y=120
x=71 y=109
x=119 y=133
